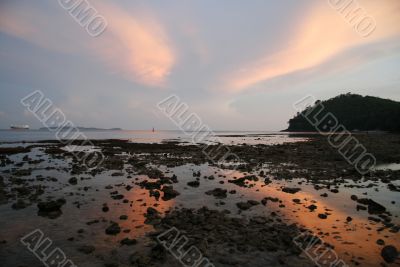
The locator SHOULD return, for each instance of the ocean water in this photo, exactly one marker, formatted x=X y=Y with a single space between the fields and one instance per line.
x=139 y=136
x=353 y=240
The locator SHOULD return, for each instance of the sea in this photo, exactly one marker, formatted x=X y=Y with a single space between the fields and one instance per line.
x=145 y=136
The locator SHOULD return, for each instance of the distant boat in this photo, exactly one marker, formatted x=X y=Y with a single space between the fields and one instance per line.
x=19 y=127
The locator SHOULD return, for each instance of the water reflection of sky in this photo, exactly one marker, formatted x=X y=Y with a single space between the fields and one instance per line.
x=357 y=238
x=226 y=137
x=391 y=166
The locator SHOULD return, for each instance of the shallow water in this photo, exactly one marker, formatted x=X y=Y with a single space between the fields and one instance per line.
x=353 y=241
x=226 y=137
x=391 y=166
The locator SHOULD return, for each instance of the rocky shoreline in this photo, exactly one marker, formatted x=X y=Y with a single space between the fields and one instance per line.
x=230 y=241
x=45 y=177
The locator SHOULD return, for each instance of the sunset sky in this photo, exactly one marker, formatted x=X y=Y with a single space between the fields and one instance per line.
x=239 y=65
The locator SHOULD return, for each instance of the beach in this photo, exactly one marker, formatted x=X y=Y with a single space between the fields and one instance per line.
x=255 y=211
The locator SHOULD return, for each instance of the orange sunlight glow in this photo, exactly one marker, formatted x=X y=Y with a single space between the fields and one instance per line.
x=321 y=35
x=137 y=47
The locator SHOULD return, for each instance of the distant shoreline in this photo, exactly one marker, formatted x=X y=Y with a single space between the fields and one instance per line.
x=64 y=129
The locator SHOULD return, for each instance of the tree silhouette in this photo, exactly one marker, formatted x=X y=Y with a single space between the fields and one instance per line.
x=355 y=112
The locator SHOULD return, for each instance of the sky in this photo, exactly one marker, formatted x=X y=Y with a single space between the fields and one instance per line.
x=238 y=65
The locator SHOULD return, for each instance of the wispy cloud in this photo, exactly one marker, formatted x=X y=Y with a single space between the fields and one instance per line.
x=32 y=25
x=137 y=47
x=320 y=36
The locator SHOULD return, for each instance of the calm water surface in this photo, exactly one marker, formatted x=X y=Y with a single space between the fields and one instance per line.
x=355 y=240
x=228 y=137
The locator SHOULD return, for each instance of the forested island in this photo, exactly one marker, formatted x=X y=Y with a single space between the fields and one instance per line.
x=355 y=112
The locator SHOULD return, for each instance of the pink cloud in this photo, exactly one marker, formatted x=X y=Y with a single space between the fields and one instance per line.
x=137 y=48
x=321 y=35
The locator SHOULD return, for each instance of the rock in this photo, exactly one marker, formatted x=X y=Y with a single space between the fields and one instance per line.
x=392 y=187
x=243 y=205
x=174 y=179
x=373 y=207
x=158 y=253
x=253 y=202
x=359 y=207
x=22 y=172
x=322 y=216
x=92 y=222
x=218 y=193
x=152 y=216
x=152 y=211
x=73 y=180
x=128 y=241
x=242 y=181
x=117 y=197
x=267 y=181
x=152 y=173
x=265 y=200
x=374 y=219
x=50 y=206
x=20 y=204
x=354 y=197
x=349 y=219
x=389 y=254
x=247 y=205
x=256 y=234
x=296 y=200
x=128 y=187
x=197 y=174
x=193 y=183
x=324 y=195
x=105 y=208
x=150 y=185
x=86 y=249
x=259 y=220
x=139 y=260
x=123 y=217
x=318 y=187
x=291 y=190
x=169 y=193
x=155 y=193
x=113 y=229
x=380 y=242
x=312 y=207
